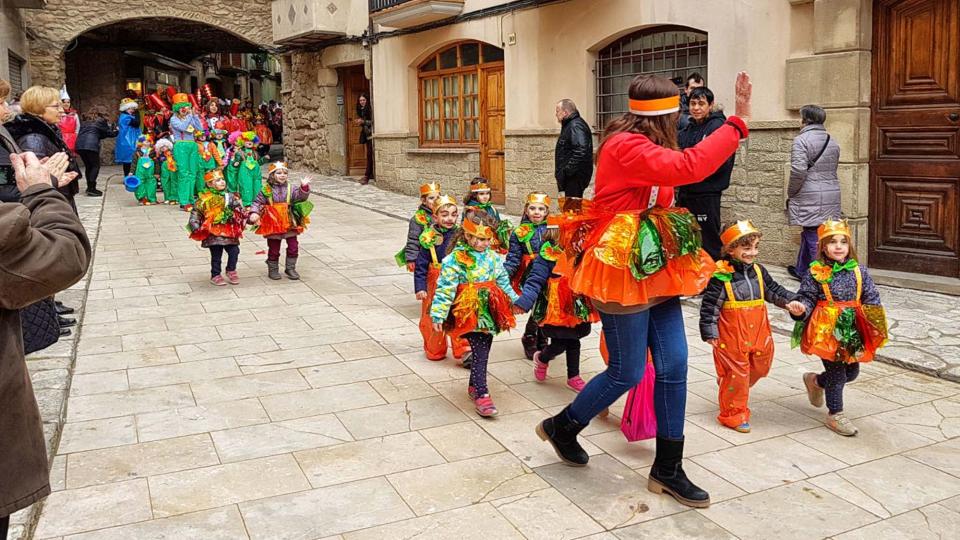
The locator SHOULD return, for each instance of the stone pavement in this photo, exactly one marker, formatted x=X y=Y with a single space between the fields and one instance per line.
x=305 y=410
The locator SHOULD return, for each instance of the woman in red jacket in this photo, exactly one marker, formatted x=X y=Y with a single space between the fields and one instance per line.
x=637 y=255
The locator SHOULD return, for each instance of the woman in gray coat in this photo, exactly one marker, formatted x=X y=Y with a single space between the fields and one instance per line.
x=813 y=195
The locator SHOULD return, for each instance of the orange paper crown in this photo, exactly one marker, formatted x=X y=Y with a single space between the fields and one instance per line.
x=276 y=166
x=538 y=198
x=444 y=200
x=429 y=187
x=655 y=107
x=737 y=231
x=476 y=229
x=830 y=228
x=482 y=186
x=212 y=175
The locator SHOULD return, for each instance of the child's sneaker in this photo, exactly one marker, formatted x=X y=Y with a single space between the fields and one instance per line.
x=539 y=368
x=576 y=383
x=814 y=392
x=743 y=428
x=232 y=277
x=472 y=392
x=841 y=424
x=485 y=406
x=218 y=280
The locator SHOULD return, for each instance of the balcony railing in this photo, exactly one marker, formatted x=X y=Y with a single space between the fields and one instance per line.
x=409 y=13
x=377 y=5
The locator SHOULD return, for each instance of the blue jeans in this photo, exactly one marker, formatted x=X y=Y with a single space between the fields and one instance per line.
x=628 y=336
x=808 y=250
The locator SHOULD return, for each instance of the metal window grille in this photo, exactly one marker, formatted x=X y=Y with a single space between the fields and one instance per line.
x=670 y=52
x=16 y=74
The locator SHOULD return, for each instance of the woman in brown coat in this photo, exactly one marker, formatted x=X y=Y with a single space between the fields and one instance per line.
x=43 y=249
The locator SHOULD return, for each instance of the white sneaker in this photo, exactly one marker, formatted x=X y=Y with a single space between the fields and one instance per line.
x=841 y=424
x=814 y=392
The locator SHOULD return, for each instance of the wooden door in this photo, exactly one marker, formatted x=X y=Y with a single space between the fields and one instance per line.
x=354 y=84
x=915 y=137
x=492 y=122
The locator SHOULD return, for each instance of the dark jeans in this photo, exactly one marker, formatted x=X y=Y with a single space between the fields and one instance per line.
x=273 y=248
x=561 y=345
x=369 y=171
x=628 y=337
x=480 y=343
x=91 y=163
x=216 y=258
x=833 y=379
x=126 y=169
x=808 y=250
x=706 y=208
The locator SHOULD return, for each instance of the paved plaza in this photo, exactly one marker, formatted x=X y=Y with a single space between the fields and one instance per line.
x=306 y=410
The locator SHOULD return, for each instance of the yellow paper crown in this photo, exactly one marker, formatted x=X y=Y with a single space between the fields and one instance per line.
x=737 y=231
x=444 y=200
x=538 y=198
x=428 y=188
x=476 y=229
x=481 y=186
x=830 y=228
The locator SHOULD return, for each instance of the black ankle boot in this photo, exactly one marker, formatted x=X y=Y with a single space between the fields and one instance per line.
x=529 y=345
x=666 y=475
x=561 y=432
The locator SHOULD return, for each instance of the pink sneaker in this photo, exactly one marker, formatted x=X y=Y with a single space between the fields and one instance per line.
x=218 y=281
x=472 y=392
x=539 y=368
x=485 y=406
x=232 y=277
x=576 y=383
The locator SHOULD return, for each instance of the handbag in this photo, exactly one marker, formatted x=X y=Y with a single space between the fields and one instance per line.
x=41 y=328
x=639 y=421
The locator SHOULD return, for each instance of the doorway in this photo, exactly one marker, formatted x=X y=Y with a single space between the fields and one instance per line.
x=492 y=118
x=915 y=137
x=355 y=82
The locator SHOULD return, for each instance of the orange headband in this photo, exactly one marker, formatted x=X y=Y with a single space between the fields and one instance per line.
x=737 y=231
x=478 y=230
x=482 y=186
x=655 y=107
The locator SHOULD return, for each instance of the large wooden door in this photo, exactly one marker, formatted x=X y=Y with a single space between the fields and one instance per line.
x=354 y=84
x=492 y=122
x=915 y=137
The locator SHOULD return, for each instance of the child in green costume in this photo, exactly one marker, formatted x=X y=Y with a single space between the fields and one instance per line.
x=163 y=151
x=183 y=125
x=209 y=157
x=146 y=171
x=246 y=166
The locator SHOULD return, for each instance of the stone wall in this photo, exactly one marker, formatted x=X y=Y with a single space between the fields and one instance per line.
x=313 y=130
x=401 y=166
x=62 y=20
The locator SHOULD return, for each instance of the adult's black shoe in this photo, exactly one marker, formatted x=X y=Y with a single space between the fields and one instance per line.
x=94 y=193
x=64 y=332
x=792 y=270
x=66 y=321
x=62 y=309
x=667 y=476
x=561 y=432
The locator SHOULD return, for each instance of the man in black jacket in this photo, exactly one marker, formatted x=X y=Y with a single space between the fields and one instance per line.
x=573 y=163
x=703 y=198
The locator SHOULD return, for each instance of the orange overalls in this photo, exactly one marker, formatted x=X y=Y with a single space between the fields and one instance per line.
x=435 y=343
x=744 y=353
x=818 y=338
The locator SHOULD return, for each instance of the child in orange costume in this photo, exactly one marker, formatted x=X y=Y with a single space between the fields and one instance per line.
x=733 y=319
x=435 y=243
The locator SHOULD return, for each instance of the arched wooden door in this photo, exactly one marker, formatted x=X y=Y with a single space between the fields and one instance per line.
x=915 y=137
x=492 y=122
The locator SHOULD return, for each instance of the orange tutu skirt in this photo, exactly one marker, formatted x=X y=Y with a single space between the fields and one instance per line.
x=480 y=307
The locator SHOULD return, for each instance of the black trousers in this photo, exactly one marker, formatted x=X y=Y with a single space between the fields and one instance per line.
x=706 y=208
x=575 y=187
x=560 y=345
x=369 y=171
x=126 y=169
x=91 y=164
x=216 y=258
x=4 y=524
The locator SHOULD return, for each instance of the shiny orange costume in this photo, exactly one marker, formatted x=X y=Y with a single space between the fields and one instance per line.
x=435 y=343
x=819 y=336
x=744 y=353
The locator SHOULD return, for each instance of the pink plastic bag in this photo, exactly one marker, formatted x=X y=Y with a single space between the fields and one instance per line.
x=639 y=420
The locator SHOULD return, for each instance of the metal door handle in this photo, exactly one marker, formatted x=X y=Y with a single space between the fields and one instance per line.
x=954 y=116
x=496 y=153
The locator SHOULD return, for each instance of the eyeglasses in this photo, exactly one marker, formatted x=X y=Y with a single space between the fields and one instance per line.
x=57 y=106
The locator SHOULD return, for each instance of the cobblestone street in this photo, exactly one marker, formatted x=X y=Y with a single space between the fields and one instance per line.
x=306 y=410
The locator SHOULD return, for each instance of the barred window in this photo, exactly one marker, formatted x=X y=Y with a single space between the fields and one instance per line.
x=667 y=51
x=450 y=93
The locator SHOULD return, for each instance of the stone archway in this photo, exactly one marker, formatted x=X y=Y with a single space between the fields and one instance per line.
x=62 y=21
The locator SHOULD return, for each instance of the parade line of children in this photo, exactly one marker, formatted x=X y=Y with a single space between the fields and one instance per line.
x=470 y=292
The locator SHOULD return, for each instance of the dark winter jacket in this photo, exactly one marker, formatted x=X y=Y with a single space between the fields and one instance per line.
x=573 y=157
x=540 y=271
x=690 y=136
x=8 y=184
x=843 y=288
x=424 y=259
x=414 y=230
x=91 y=133
x=35 y=135
x=746 y=286
x=366 y=129
x=814 y=189
x=684 y=119
x=518 y=249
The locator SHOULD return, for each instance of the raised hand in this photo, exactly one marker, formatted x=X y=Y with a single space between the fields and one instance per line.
x=744 y=92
